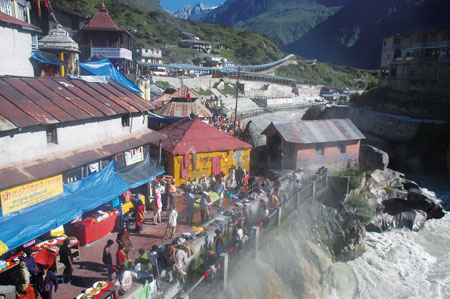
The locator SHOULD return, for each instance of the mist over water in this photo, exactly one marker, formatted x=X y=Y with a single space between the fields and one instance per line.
x=294 y=263
x=399 y=264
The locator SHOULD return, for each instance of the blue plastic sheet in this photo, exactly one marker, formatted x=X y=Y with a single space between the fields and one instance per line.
x=106 y=68
x=87 y=194
x=47 y=58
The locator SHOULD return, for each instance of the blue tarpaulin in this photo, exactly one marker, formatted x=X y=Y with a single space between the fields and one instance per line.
x=106 y=68
x=47 y=58
x=87 y=194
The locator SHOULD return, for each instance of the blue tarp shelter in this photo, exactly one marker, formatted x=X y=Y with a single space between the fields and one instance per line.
x=106 y=68
x=79 y=197
x=47 y=58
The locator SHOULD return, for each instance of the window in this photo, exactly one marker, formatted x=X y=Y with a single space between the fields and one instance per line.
x=52 y=138
x=291 y=149
x=34 y=43
x=7 y=8
x=125 y=121
x=342 y=148
x=396 y=40
x=384 y=43
x=320 y=149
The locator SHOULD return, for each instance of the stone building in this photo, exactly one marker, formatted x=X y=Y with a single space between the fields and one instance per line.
x=417 y=57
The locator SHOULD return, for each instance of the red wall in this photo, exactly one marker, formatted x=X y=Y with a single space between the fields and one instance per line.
x=306 y=155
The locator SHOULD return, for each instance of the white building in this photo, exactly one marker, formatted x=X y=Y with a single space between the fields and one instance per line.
x=18 y=42
x=66 y=123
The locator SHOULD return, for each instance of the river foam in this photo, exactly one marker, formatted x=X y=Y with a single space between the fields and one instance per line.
x=399 y=264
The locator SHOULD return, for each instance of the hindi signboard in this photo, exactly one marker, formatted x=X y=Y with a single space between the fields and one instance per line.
x=134 y=156
x=27 y=195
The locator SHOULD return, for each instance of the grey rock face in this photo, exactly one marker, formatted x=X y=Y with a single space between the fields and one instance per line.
x=373 y=158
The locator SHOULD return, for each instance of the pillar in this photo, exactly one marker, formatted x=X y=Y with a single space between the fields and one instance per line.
x=255 y=230
x=314 y=190
x=61 y=68
x=279 y=216
x=224 y=262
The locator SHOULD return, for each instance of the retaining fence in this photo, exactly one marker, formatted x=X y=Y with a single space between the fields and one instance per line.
x=256 y=112
x=205 y=288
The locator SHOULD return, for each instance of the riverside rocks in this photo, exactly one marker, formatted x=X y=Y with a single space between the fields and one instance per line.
x=398 y=202
x=373 y=157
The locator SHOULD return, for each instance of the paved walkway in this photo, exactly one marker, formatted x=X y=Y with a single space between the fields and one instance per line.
x=90 y=269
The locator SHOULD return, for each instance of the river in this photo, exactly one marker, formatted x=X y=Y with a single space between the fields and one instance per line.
x=401 y=263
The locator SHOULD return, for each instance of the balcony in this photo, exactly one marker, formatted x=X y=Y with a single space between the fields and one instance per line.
x=114 y=53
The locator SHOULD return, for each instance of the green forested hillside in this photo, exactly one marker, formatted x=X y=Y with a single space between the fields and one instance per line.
x=283 y=21
x=330 y=75
x=353 y=36
x=156 y=28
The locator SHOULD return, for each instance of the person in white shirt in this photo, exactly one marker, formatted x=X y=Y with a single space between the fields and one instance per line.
x=127 y=278
x=172 y=223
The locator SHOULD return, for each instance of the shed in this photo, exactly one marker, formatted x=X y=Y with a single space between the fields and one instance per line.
x=195 y=148
x=310 y=144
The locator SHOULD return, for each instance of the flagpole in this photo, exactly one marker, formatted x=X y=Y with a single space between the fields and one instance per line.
x=237 y=94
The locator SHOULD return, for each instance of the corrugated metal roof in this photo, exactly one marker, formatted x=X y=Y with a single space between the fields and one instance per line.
x=184 y=109
x=32 y=101
x=316 y=131
x=45 y=167
x=186 y=134
x=11 y=20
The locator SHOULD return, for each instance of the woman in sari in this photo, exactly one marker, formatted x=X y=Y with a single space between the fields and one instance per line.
x=140 y=209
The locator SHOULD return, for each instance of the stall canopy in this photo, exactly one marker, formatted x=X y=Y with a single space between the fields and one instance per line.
x=106 y=68
x=78 y=197
x=140 y=173
x=47 y=58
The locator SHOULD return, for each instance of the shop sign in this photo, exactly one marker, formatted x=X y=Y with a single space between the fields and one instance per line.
x=112 y=53
x=27 y=195
x=134 y=156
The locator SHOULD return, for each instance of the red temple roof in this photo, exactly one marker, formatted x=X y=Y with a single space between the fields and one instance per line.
x=102 y=21
x=186 y=135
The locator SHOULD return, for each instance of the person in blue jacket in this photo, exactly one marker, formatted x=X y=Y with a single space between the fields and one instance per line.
x=46 y=282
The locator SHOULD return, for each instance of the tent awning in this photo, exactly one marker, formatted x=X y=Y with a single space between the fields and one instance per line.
x=47 y=58
x=78 y=198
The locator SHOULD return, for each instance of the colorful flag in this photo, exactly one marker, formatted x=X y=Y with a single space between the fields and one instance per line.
x=188 y=94
x=39 y=8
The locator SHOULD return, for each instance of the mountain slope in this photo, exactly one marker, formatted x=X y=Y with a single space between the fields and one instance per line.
x=284 y=21
x=353 y=36
x=193 y=12
x=90 y=6
x=157 y=28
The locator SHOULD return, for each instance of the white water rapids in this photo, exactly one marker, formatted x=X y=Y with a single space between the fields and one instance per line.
x=399 y=264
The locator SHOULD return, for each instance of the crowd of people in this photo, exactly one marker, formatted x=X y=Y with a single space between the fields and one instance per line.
x=170 y=257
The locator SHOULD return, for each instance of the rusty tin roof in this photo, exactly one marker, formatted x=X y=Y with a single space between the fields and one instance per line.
x=49 y=166
x=315 y=131
x=184 y=109
x=26 y=102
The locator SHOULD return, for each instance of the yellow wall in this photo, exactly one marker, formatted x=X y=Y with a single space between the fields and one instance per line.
x=204 y=164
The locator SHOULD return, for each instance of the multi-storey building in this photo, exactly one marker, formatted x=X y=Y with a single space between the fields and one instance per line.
x=19 y=39
x=416 y=57
x=105 y=39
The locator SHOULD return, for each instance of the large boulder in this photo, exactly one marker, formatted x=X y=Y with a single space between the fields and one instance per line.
x=372 y=158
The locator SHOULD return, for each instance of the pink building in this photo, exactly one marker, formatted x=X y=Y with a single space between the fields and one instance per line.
x=310 y=144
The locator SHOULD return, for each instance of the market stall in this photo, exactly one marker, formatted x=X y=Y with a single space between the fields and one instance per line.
x=44 y=253
x=101 y=290
x=94 y=227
